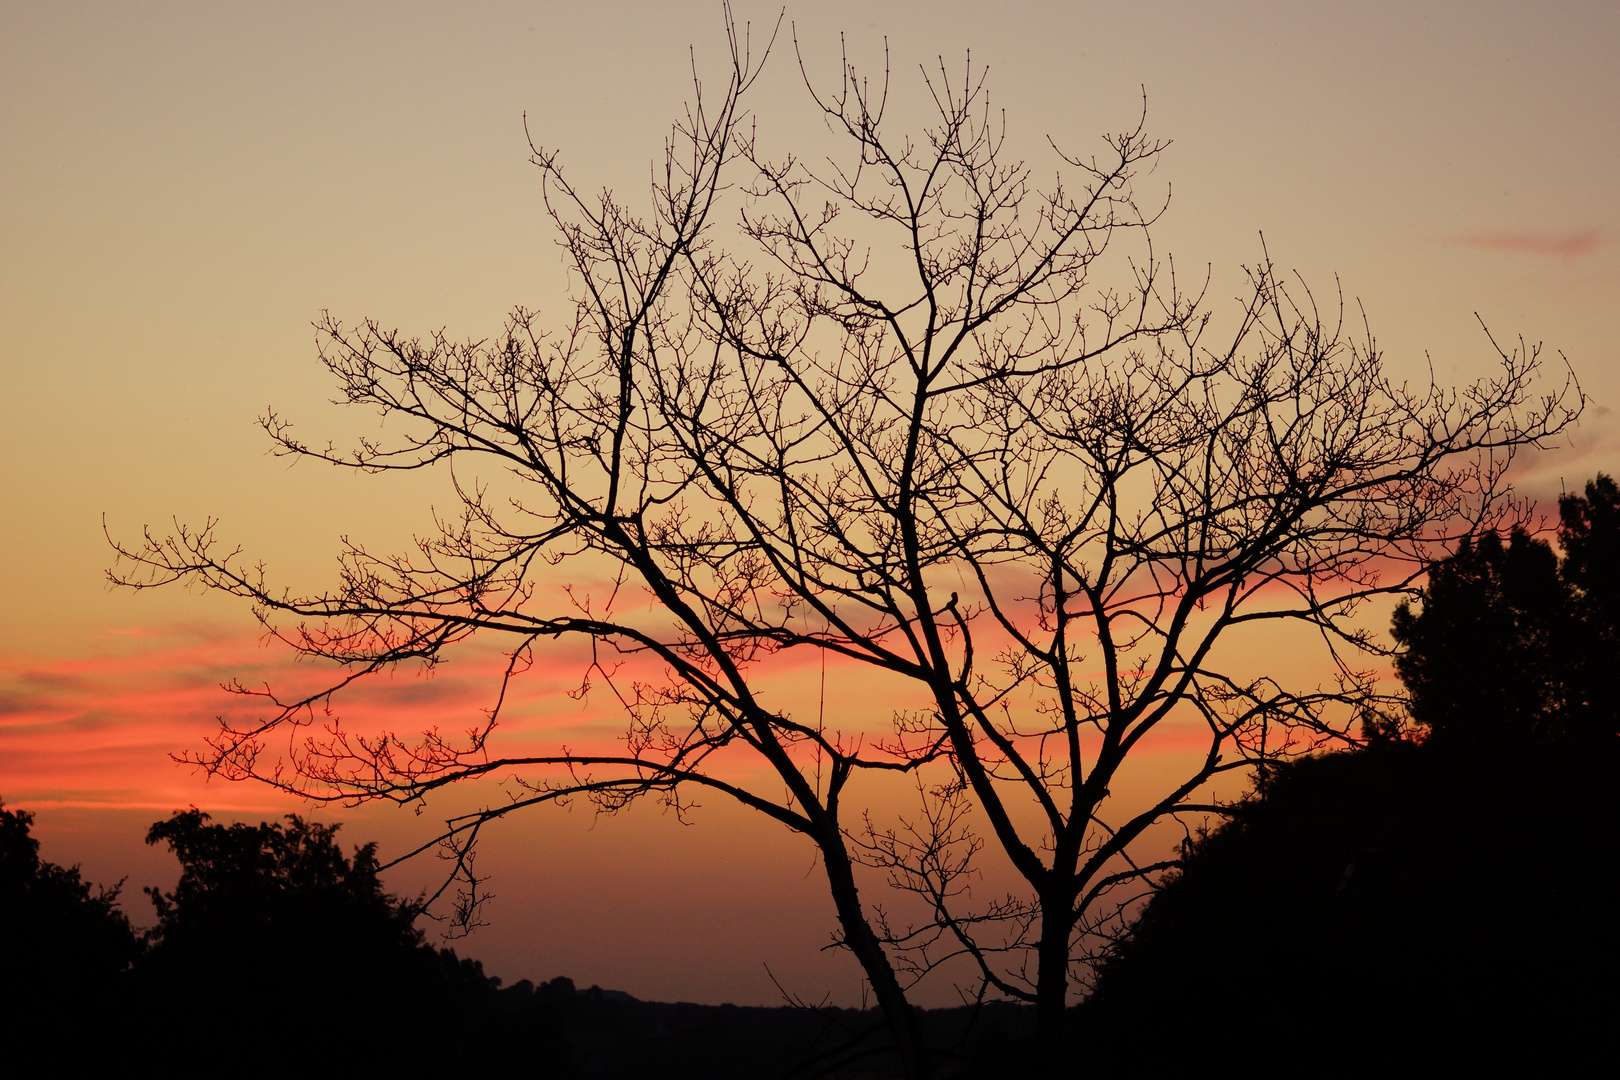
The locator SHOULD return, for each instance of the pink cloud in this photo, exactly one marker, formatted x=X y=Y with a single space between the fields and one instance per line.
x=101 y=729
x=1568 y=244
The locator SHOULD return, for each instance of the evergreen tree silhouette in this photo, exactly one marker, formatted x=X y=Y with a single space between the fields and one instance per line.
x=1510 y=643
x=1589 y=533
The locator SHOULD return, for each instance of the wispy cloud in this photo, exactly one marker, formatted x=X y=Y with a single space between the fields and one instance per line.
x=101 y=729
x=1565 y=244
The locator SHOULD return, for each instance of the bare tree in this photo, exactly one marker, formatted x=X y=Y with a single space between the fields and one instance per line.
x=1038 y=499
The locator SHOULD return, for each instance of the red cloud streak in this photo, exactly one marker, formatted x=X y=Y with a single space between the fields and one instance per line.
x=100 y=730
x=1566 y=244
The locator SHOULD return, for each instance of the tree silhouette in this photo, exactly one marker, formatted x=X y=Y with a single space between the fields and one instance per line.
x=1589 y=534
x=928 y=420
x=1490 y=646
x=1510 y=643
x=261 y=884
x=272 y=930
x=63 y=942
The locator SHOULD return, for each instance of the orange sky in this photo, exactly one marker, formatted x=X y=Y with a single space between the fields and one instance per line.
x=184 y=187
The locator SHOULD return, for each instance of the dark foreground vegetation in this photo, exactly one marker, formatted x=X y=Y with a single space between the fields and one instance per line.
x=276 y=949
x=1446 y=893
x=1443 y=894
x=1400 y=904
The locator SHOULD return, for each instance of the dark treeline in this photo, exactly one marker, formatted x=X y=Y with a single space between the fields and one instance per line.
x=1443 y=894
x=276 y=950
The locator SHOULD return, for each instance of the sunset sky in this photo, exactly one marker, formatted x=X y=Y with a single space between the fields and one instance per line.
x=184 y=188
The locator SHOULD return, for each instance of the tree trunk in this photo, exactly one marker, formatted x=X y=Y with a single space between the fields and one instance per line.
x=1052 y=988
x=858 y=935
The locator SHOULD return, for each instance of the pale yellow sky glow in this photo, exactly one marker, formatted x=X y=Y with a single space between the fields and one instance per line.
x=185 y=187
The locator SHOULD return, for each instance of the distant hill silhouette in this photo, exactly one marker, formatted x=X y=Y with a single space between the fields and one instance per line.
x=613 y=1035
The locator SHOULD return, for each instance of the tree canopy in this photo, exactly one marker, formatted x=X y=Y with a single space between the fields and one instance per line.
x=274 y=887
x=273 y=928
